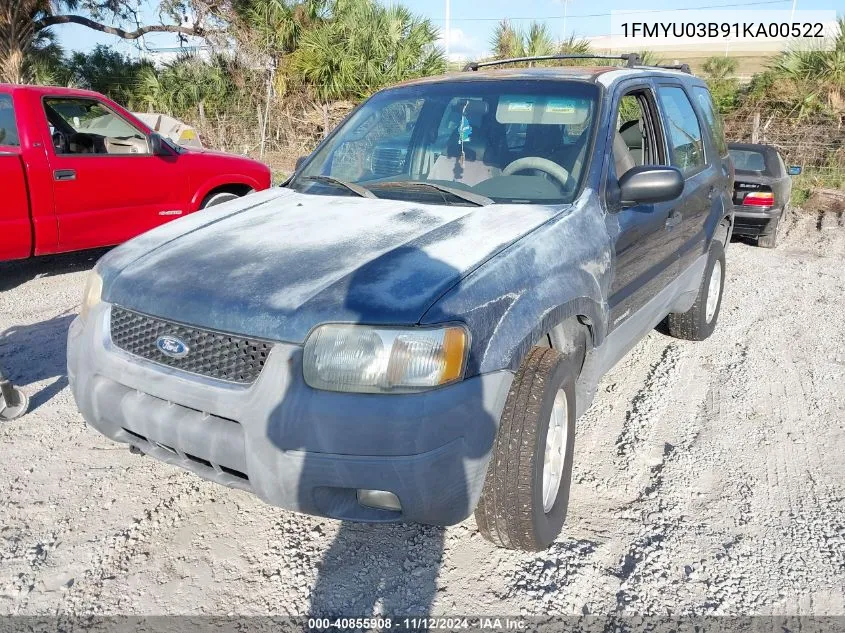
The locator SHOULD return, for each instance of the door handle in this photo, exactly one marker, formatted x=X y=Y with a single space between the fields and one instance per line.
x=673 y=220
x=710 y=193
x=64 y=174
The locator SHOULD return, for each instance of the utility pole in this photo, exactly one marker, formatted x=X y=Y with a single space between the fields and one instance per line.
x=448 y=27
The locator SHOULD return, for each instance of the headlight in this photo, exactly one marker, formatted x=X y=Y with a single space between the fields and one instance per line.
x=93 y=291
x=384 y=360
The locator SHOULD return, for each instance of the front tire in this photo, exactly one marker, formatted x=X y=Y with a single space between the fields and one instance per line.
x=526 y=493
x=214 y=199
x=697 y=323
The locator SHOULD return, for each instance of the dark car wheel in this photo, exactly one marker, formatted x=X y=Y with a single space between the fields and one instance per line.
x=526 y=493
x=769 y=239
x=697 y=323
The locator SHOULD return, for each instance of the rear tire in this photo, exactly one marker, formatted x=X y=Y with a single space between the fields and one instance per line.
x=769 y=239
x=697 y=323
x=518 y=508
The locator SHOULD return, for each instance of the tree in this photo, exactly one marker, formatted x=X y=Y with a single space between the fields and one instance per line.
x=26 y=24
x=508 y=41
x=363 y=46
x=720 y=73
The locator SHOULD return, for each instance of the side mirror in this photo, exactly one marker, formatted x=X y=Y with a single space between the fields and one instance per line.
x=299 y=162
x=157 y=145
x=794 y=170
x=647 y=184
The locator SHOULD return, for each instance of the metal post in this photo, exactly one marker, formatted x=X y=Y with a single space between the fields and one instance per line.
x=13 y=402
x=448 y=28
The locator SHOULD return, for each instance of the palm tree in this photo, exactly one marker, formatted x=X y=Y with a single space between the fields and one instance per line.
x=813 y=79
x=508 y=41
x=20 y=39
x=364 y=46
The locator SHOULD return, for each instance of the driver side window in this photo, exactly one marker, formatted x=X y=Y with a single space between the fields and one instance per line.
x=86 y=126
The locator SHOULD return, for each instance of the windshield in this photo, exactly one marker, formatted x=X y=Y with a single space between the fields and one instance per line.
x=500 y=141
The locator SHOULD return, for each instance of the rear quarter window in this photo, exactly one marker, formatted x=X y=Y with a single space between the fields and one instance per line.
x=712 y=119
x=8 y=127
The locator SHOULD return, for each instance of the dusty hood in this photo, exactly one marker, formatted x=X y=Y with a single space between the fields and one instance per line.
x=278 y=263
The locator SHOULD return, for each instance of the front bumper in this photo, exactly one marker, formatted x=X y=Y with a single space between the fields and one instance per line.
x=294 y=446
x=754 y=221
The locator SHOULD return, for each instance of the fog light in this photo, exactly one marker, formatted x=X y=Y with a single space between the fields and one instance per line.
x=380 y=499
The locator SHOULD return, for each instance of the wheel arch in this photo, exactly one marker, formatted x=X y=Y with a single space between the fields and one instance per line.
x=241 y=185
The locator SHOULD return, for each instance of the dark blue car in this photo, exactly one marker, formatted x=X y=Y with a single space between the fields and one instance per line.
x=408 y=328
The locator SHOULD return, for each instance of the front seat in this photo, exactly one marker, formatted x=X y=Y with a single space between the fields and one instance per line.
x=467 y=164
x=632 y=134
x=622 y=158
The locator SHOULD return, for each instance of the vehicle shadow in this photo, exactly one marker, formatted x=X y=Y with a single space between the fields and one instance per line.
x=386 y=568
x=17 y=273
x=37 y=352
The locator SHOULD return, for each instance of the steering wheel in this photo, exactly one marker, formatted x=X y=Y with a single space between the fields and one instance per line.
x=541 y=164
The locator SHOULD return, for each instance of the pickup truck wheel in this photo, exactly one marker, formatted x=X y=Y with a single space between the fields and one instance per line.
x=526 y=492
x=697 y=323
x=769 y=239
x=218 y=198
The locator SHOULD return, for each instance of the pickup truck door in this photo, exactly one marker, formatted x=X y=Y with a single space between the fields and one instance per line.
x=687 y=152
x=107 y=185
x=15 y=227
x=646 y=260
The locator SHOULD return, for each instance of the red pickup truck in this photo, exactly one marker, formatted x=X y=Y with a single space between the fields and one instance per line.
x=77 y=171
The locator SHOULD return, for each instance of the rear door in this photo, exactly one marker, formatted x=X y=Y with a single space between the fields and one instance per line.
x=107 y=185
x=688 y=152
x=15 y=228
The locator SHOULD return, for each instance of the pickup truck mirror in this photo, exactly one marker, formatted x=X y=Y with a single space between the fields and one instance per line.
x=650 y=183
x=157 y=145
x=794 y=170
x=299 y=161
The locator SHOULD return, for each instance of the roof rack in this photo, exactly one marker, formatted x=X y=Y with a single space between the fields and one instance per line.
x=632 y=60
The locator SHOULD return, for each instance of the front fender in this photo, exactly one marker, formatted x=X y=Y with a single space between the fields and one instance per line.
x=561 y=270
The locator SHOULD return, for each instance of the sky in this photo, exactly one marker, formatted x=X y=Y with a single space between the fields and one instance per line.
x=473 y=21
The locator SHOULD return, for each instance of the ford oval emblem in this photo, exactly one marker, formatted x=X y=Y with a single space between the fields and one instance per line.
x=172 y=346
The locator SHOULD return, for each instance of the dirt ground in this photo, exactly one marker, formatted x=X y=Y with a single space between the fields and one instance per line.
x=709 y=479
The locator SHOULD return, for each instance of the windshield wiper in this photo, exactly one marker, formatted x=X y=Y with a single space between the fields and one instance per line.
x=357 y=189
x=467 y=196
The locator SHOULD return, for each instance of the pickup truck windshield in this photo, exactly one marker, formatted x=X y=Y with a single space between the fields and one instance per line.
x=505 y=140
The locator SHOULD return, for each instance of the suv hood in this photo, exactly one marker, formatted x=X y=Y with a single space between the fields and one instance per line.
x=278 y=263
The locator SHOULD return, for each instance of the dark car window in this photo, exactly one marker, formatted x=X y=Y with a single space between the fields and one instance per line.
x=712 y=119
x=686 y=150
x=748 y=160
x=464 y=135
x=8 y=127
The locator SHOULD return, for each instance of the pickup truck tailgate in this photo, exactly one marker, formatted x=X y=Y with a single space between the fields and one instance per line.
x=15 y=226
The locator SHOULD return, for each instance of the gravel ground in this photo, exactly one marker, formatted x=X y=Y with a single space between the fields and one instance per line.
x=709 y=479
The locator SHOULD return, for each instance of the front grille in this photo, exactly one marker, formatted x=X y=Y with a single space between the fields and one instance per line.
x=213 y=354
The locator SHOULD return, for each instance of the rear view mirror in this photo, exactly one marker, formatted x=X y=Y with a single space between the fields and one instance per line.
x=794 y=170
x=647 y=184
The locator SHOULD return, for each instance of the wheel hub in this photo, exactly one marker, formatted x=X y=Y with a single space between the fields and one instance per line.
x=714 y=288
x=555 y=450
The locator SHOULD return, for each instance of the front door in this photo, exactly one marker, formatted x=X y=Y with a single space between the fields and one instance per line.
x=646 y=260
x=107 y=185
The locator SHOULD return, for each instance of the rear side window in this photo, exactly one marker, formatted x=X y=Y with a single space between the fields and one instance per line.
x=8 y=127
x=686 y=150
x=712 y=119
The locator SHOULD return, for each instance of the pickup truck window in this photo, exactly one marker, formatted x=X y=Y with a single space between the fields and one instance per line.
x=86 y=126
x=686 y=150
x=8 y=127
x=509 y=141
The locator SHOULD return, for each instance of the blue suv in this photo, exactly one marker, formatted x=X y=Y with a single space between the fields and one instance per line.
x=409 y=327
